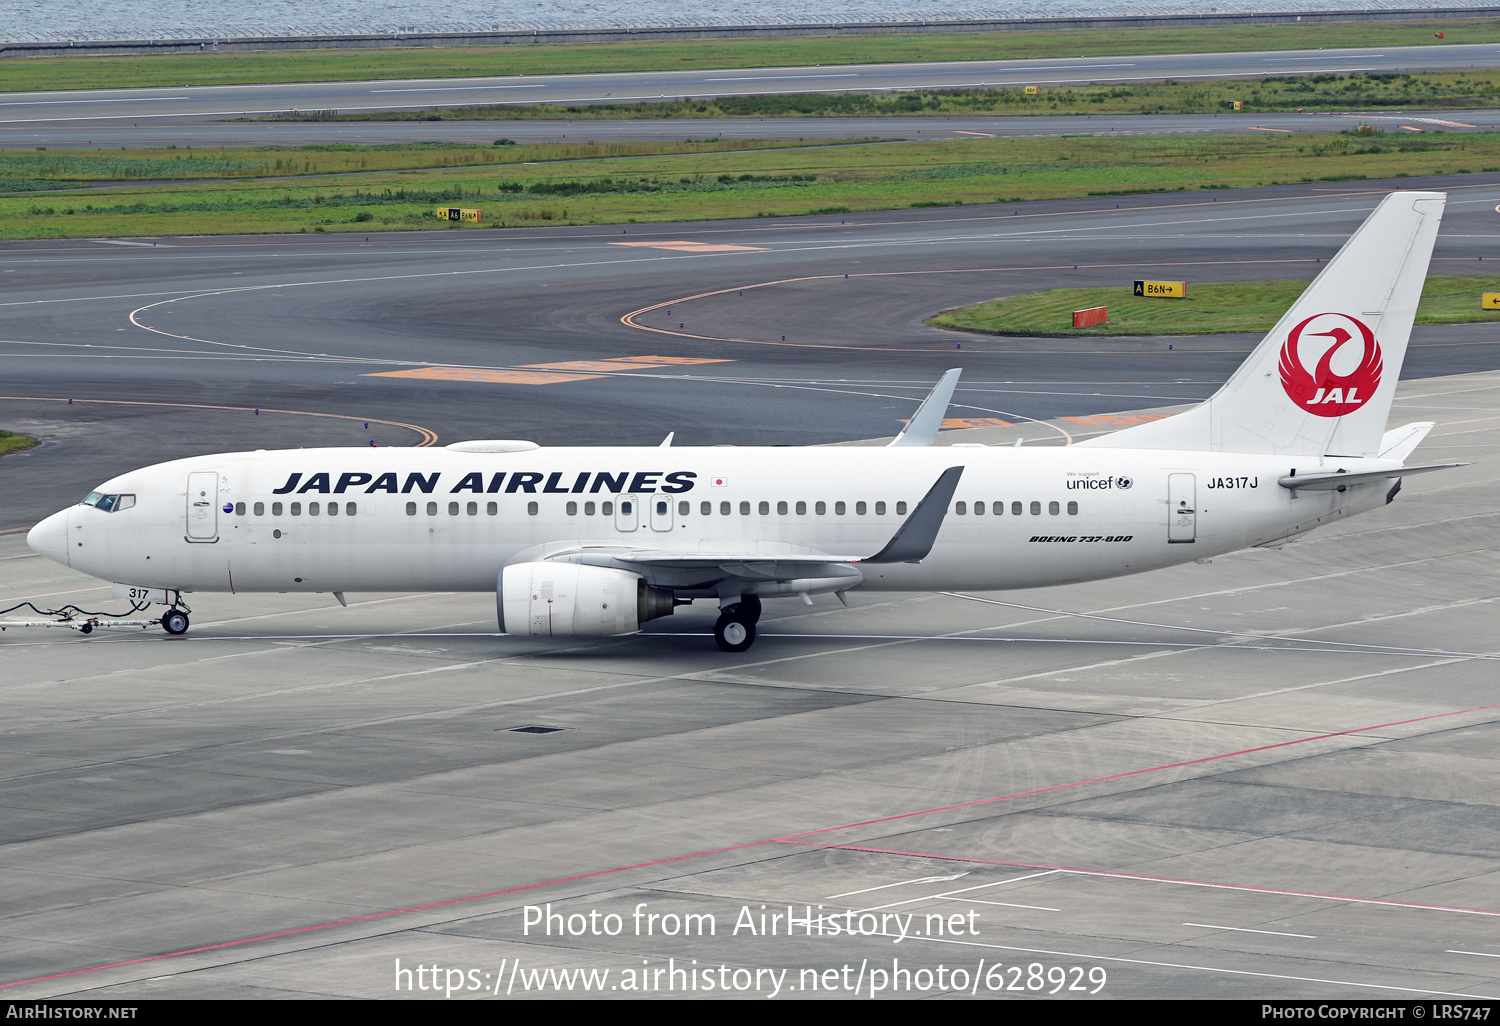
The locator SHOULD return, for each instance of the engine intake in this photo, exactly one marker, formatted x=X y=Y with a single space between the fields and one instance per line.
x=572 y=600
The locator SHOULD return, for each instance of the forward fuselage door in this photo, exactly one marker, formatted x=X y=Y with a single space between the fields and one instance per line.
x=1182 y=508
x=628 y=513
x=203 y=506
x=661 y=513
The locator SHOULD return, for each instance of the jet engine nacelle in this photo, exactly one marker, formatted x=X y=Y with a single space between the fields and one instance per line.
x=572 y=600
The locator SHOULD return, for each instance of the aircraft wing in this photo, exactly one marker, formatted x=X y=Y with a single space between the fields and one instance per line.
x=911 y=543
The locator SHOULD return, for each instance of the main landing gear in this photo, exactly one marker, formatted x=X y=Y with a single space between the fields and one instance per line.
x=735 y=631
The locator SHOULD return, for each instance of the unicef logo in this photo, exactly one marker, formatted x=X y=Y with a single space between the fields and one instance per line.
x=1124 y=482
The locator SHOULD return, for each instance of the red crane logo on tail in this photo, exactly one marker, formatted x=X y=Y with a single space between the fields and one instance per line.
x=1322 y=392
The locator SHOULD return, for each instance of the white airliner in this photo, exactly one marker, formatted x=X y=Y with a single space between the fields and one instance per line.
x=597 y=541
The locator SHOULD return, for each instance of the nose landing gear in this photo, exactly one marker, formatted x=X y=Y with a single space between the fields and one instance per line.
x=174 y=621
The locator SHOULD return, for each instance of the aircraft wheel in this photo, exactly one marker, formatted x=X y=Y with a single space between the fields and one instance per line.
x=749 y=608
x=734 y=633
x=174 y=621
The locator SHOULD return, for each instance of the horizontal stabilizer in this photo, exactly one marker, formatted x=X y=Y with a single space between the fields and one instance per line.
x=1401 y=442
x=1338 y=482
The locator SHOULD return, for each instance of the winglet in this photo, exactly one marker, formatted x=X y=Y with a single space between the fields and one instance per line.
x=923 y=427
x=913 y=539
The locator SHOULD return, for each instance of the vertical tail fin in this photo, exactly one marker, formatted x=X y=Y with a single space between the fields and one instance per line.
x=1322 y=381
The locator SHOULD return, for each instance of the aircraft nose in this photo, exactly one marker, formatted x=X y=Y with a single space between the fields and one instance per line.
x=50 y=538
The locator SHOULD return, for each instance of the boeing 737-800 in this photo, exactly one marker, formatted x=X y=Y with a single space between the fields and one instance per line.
x=597 y=541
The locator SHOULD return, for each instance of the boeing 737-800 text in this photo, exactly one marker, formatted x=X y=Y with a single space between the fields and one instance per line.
x=595 y=542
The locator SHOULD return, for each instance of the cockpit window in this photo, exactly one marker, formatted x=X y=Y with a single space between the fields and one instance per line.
x=109 y=503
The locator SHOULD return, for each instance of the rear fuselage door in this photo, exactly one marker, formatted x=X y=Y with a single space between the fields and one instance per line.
x=203 y=506
x=1182 y=508
x=628 y=513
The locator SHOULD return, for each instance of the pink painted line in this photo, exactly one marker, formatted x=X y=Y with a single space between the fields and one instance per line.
x=789 y=838
x=1131 y=773
x=1109 y=874
x=377 y=915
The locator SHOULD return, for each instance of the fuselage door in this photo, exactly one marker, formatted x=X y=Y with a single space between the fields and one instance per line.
x=661 y=512
x=628 y=513
x=1182 y=508
x=203 y=506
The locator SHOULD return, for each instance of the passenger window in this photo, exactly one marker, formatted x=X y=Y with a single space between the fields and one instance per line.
x=432 y=509
x=781 y=508
x=260 y=509
x=275 y=509
x=979 y=509
x=838 y=508
x=706 y=508
x=531 y=508
x=1072 y=509
x=900 y=509
x=492 y=508
x=1015 y=509
x=333 y=509
x=724 y=509
x=473 y=508
x=1036 y=509
x=296 y=509
x=351 y=508
x=820 y=508
x=998 y=509
x=607 y=508
x=880 y=509
x=765 y=508
x=662 y=507
x=239 y=509
x=859 y=507
x=313 y=508
x=801 y=508
x=453 y=509
x=572 y=509
x=411 y=509
x=744 y=508
x=1053 y=508
x=588 y=509
x=960 y=508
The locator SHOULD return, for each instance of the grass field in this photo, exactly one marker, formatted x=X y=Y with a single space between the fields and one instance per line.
x=1207 y=308
x=11 y=442
x=1358 y=92
x=198 y=69
x=65 y=169
x=716 y=183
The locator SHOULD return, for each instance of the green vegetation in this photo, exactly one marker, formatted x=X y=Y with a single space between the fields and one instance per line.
x=1453 y=90
x=199 y=69
x=65 y=169
x=714 y=181
x=1238 y=306
x=11 y=442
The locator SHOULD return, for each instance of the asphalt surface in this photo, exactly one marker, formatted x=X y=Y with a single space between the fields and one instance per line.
x=1272 y=777
x=1268 y=777
x=215 y=328
x=197 y=103
x=482 y=133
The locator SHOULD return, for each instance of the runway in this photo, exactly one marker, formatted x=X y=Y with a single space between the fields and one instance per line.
x=110 y=135
x=1268 y=776
x=206 y=102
